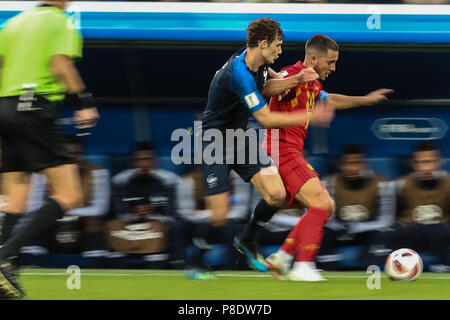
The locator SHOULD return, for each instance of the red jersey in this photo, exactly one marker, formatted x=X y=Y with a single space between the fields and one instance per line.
x=301 y=97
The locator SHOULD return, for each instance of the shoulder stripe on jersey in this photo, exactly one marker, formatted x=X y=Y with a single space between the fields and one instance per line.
x=243 y=84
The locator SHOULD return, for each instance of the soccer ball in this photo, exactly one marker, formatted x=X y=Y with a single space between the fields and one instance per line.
x=403 y=265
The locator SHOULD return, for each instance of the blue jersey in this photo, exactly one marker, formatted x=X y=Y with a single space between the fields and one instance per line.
x=234 y=93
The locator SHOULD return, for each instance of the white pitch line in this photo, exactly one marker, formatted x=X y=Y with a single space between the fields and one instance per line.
x=141 y=274
x=217 y=274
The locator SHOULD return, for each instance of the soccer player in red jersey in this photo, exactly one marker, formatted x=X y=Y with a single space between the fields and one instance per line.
x=301 y=182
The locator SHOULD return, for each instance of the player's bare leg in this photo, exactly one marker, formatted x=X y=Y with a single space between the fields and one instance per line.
x=65 y=186
x=306 y=236
x=314 y=194
x=65 y=190
x=268 y=182
x=219 y=206
x=15 y=187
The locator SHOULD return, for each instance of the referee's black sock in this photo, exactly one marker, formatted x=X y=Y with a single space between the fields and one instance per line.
x=8 y=222
x=263 y=213
x=41 y=220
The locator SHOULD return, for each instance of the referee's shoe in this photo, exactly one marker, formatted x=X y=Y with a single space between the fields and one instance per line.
x=9 y=285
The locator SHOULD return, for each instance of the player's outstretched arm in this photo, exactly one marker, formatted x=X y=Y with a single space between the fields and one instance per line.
x=340 y=101
x=275 y=87
x=321 y=116
x=275 y=75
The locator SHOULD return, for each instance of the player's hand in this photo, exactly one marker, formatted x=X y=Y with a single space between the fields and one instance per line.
x=378 y=96
x=279 y=76
x=322 y=115
x=284 y=94
x=307 y=75
x=86 y=118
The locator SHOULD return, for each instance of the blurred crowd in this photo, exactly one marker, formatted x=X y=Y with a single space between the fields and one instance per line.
x=153 y=215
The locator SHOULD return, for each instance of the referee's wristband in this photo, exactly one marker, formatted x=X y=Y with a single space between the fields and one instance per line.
x=81 y=100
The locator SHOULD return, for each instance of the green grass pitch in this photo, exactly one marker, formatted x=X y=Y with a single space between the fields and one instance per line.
x=95 y=284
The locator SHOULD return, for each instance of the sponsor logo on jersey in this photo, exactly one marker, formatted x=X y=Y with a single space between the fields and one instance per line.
x=212 y=180
x=427 y=214
x=355 y=212
x=158 y=200
x=133 y=199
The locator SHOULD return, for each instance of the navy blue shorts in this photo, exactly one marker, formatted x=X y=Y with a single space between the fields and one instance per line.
x=215 y=176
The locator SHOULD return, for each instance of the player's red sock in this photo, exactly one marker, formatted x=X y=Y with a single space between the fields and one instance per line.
x=310 y=233
x=290 y=244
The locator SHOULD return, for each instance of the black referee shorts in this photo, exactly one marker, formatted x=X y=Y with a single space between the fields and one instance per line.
x=30 y=138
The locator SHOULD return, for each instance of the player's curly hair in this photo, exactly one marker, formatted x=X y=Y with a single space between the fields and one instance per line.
x=263 y=29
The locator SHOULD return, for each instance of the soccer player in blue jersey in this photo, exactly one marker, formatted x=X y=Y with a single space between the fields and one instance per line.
x=236 y=91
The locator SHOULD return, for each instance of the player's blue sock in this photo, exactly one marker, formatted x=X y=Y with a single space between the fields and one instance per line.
x=203 y=241
x=262 y=214
x=209 y=233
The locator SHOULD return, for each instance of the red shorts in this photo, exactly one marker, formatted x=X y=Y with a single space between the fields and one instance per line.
x=295 y=172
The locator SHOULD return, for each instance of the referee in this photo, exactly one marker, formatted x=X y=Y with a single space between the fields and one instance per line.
x=37 y=49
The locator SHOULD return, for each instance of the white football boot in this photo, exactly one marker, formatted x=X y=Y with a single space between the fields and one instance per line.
x=279 y=264
x=305 y=271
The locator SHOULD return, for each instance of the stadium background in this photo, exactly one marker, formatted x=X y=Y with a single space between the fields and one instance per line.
x=150 y=65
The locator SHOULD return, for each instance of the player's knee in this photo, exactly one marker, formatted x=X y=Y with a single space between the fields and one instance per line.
x=275 y=197
x=331 y=208
x=14 y=208
x=322 y=200
x=77 y=200
x=69 y=201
